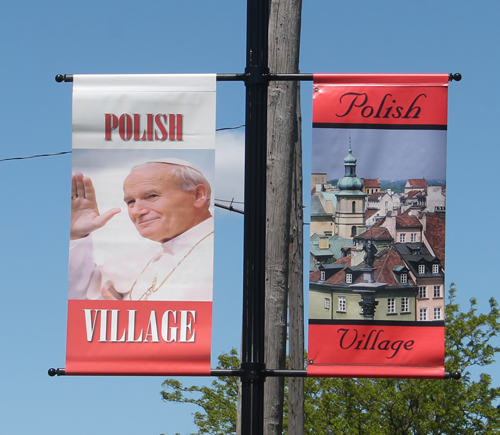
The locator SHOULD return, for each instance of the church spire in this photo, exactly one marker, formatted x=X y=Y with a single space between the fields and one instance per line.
x=350 y=162
x=350 y=182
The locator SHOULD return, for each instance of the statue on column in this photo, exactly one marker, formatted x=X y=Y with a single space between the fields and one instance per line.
x=370 y=251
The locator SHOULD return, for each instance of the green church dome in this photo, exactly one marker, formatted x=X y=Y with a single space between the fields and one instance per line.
x=350 y=183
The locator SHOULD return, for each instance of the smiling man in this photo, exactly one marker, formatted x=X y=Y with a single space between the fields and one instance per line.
x=168 y=202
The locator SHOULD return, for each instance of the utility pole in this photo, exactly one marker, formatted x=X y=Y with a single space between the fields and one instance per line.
x=296 y=292
x=282 y=139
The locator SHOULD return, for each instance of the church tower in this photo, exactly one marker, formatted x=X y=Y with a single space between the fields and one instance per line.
x=350 y=213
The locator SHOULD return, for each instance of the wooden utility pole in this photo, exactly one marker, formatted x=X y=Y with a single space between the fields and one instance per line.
x=282 y=139
x=296 y=293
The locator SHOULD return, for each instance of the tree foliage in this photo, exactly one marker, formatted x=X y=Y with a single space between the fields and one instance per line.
x=218 y=402
x=382 y=406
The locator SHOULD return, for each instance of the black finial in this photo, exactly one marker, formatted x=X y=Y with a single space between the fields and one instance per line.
x=58 y=372
x=457 y=77
x=454 y=375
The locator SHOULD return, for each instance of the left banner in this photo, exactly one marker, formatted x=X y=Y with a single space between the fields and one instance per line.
x=142 y=230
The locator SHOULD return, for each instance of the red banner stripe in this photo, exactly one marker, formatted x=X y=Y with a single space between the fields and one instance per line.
x=138 y=338
x=376 y=350
x=398 y=105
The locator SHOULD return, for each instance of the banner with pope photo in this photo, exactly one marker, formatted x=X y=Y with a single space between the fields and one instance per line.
x=142 y=231
x=376 y=287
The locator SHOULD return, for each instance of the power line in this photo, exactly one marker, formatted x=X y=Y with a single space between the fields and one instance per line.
x=69 y=152
x=35 y=156
x=232 y=201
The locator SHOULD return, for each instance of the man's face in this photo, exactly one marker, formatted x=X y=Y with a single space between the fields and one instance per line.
x=159 y=209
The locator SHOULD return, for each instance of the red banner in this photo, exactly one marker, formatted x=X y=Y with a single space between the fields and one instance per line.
x=376 y=295
x=142 y=227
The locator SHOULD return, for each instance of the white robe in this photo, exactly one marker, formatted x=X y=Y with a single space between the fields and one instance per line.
x=181 y=270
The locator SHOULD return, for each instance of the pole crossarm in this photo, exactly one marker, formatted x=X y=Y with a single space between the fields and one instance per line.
x=266 y=373
x=254 y=77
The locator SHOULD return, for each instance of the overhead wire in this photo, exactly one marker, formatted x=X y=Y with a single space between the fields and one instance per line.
x=231 y=208
x=69 y=152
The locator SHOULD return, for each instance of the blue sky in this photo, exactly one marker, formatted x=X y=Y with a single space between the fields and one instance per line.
x=41 y=39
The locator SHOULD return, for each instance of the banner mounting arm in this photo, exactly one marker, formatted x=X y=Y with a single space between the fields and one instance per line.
x=68 y=78
x=266 y=373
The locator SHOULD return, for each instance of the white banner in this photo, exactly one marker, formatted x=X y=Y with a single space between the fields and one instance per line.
x=141 y=249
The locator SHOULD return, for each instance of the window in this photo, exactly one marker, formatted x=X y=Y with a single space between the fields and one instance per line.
x=354 y=206
x=353 y=231
x=391 y=305
x=413 y=237
x=423 y=314
x=342 y=304
x=437 y=313
x=422 y=292
x=435 y=268
x=348 y=278
x=327 y=303
x=437 y=291
x=405 y=304
x=402 y=238
x=421 y=269
x=322 y=275
x=403 y=278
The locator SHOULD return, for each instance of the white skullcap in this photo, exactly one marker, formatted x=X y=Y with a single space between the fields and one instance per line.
x=178 y=162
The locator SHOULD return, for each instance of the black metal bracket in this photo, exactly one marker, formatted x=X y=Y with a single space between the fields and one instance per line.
x=253 y=372
x=256 y=75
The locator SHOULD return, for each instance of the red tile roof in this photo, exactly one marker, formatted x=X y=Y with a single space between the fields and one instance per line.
x=376 y=196
x=417 y=182
x=371 y=182
x=314 y=276
x=386 y=264
x=413 y=193
x=435 y=234
x=375 y=233
x=379 y=222
x=370 y=212
x=406 y=220
x=383 y=273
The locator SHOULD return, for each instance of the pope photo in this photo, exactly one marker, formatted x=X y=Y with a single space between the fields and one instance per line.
x=141 y=225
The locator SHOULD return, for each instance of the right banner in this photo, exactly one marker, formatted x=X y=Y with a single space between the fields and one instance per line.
x=377 y=242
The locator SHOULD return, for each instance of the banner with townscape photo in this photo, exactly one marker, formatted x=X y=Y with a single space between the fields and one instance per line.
x=142 y=230
x=377 y=233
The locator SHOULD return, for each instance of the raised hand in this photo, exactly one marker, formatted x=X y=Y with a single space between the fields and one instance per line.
x=109 y=293
x=85 y=216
